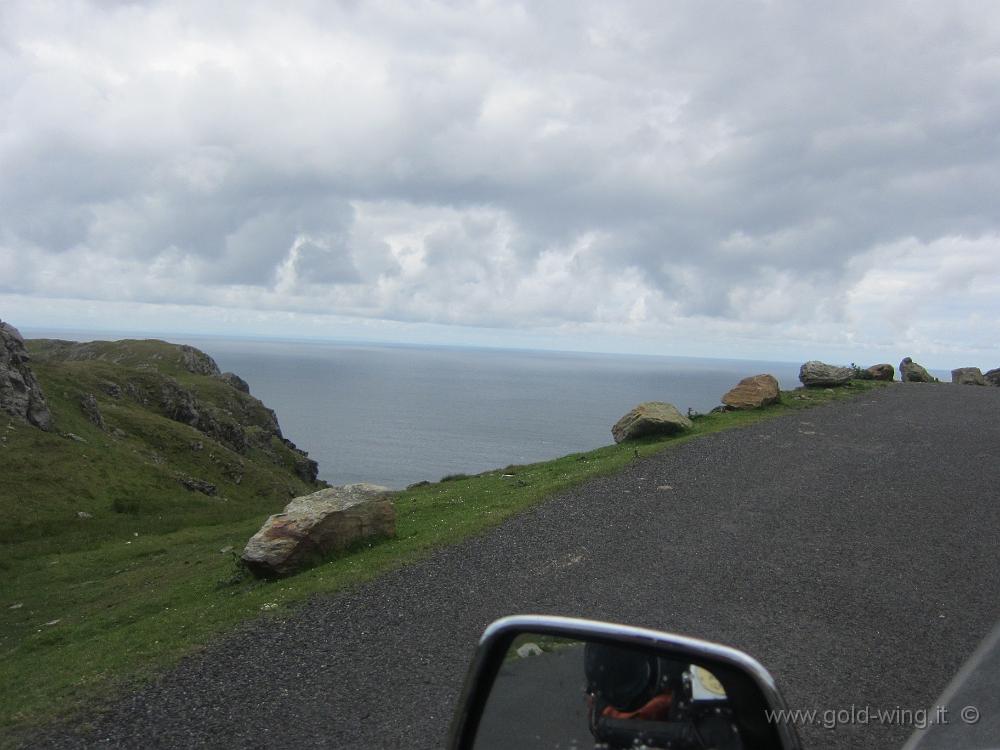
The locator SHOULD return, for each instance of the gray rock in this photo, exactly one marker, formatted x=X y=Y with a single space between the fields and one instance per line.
x=992 y=377
x=967 y=376
x=753 y=393
x=235 y=381
x=815 y=374
x=20 y=393
x=312 y=527
x=179 y=404
x=911 y=372
x=92 y=411
x=650 y=418
x=198 y=485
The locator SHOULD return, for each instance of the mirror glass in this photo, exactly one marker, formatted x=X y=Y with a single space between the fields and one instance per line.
x=566 y=693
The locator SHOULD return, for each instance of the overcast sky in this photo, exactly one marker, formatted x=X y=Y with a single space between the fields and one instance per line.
x=753 y=179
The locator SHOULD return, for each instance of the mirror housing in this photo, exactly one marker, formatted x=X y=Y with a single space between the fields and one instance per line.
x=749 y=690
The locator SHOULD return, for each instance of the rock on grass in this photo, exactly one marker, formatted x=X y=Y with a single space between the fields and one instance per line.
x=650 y=418
x=314 y=526
x=753 y=393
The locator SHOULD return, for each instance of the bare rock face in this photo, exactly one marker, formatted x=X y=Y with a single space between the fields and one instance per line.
x=881 y=372
x=650 y=418
x=911 y=372
x=317 y=525
x=815 y=374
x=20 y=394
x=968 y=376
x=992 y=377
x=179 y=404
x=753 y=393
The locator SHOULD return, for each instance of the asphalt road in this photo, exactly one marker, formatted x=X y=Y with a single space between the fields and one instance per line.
x=851 y=548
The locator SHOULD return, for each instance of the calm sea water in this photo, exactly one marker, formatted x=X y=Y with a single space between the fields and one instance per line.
x=395 y=415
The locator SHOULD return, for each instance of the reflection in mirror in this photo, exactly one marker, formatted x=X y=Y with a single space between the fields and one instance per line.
x=566 y=693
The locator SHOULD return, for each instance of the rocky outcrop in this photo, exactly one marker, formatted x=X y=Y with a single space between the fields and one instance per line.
x=198 y=485
x=911 y=372
x=241 y=423
x=305 y=468
x=815 y=374
x=992 y=377
x=20 y=394
x=179 y=404
x=235 y=381
x=967 y=376
x=753 y=393
x=88 y=404
x=881 y=372
x=650 y=418
x=196 y=361
x=313 y=527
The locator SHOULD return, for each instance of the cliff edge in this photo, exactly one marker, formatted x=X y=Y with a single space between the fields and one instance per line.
x=118 y=430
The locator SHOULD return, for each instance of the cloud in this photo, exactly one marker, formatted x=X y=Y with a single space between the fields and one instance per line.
x=763 y=170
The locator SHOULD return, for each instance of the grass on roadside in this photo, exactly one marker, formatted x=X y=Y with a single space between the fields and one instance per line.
x=114 y=605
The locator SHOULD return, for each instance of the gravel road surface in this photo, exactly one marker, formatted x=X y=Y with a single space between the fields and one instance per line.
x=851 y=548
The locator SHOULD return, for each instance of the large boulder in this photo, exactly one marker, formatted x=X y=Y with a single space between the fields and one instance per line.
x=911 y=372
x=753 y=393
x=314 y=526
x=20 y=394
x=650 y=418
x=968 y=376
x=992 y=377
x=881 y=372
x=815 y=374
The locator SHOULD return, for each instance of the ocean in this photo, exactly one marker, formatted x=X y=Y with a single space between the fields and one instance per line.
x=395 y=415
x=399 y=414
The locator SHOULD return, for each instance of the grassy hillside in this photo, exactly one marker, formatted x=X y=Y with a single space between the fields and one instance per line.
x=89 y=605
x=162 y=425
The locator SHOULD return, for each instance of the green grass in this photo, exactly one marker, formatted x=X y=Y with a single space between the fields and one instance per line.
x=90 y=606
x=126 y=480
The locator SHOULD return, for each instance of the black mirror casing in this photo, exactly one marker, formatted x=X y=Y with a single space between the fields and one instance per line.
x=751 y=690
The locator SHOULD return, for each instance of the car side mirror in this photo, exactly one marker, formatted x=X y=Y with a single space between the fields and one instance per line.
x=538 y=681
